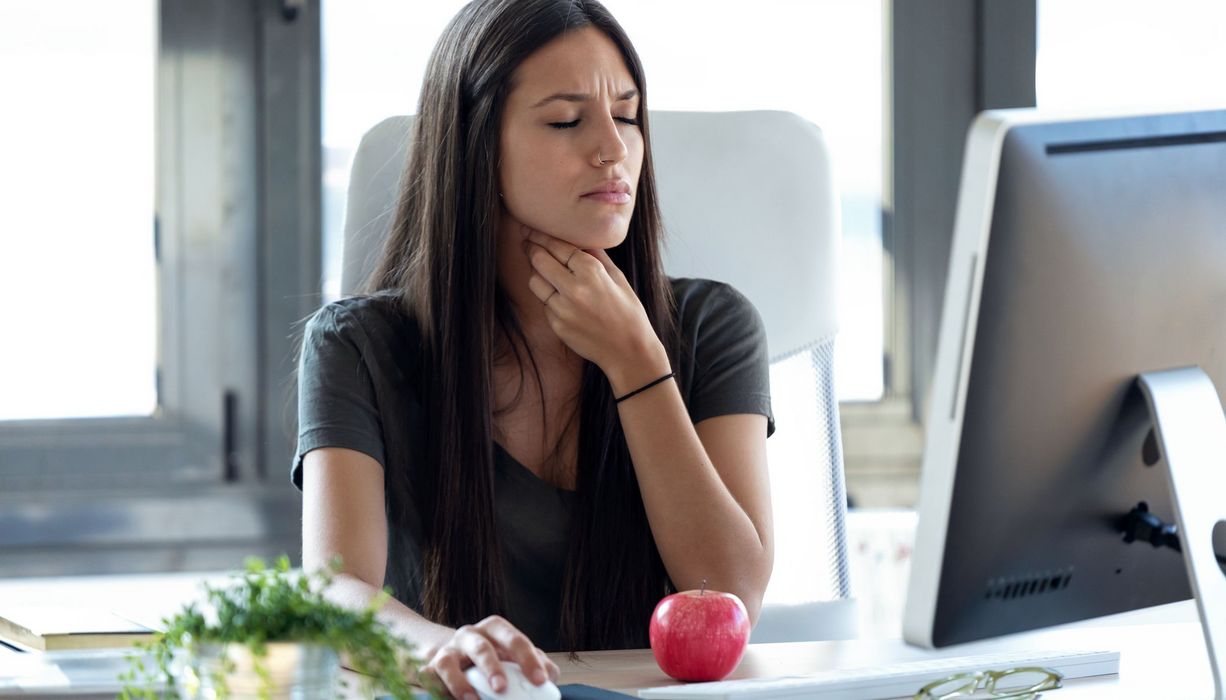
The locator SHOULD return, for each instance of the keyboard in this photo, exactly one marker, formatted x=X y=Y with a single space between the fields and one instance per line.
x=891 y=681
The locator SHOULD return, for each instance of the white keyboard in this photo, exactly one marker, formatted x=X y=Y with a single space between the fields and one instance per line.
x=893 y=681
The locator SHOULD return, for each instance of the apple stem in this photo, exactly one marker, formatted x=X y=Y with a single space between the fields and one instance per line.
x=704 y=588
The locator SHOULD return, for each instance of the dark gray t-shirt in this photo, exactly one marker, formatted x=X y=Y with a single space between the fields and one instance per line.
x=356 y=379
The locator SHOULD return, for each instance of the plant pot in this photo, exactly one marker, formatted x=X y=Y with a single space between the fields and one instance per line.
x=294 y=671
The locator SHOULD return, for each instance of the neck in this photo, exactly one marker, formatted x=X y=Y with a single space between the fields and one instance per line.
x=514 y=271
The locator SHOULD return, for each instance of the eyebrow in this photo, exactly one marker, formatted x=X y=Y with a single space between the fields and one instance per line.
x=580 y=97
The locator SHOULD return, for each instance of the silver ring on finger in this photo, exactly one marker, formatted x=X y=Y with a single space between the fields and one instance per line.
x=571 y=256
x=546 y=302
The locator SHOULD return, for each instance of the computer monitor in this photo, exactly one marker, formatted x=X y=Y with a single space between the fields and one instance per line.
x=1085 y=251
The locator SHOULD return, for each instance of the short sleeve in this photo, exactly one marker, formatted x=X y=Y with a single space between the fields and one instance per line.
x=336 y=398
x=731 y=363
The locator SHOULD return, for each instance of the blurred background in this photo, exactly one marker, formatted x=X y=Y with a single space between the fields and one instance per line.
x=173 y=177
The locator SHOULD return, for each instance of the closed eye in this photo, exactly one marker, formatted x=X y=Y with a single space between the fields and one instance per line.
x=571 y=125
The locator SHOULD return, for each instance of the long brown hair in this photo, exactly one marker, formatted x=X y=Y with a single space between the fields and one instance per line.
x=441 y=257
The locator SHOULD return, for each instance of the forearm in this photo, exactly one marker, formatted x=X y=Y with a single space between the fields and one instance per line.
x=699 y=528
x=353 y=593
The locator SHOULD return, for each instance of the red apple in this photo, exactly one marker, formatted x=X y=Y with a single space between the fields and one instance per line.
x=699 y=635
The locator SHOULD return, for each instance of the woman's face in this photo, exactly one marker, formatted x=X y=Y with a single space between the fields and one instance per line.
x=573 y=105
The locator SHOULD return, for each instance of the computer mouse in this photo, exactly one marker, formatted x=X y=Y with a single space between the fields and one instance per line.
x=519 y=687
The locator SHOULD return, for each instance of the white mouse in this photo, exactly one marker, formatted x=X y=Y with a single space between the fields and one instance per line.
x=519 y=687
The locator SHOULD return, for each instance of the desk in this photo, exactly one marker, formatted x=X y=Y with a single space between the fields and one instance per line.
x=1162 y=650
x=1162 y=656
x=142 y=598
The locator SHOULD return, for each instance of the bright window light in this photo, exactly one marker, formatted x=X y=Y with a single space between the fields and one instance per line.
x=76 y=209
x=1131 y=54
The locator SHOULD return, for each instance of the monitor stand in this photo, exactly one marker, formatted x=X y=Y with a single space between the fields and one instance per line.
x=1191 y=431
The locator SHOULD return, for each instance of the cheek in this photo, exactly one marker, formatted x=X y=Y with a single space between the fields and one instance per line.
x=634 y=159
x=532 y=172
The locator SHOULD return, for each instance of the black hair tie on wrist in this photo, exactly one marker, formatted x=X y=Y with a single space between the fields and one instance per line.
x=643 y=388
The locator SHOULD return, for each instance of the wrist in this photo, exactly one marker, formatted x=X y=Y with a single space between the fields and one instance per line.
x=635 y=369
x=432 y=640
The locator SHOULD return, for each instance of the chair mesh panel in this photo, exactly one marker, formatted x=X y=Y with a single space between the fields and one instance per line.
x=822 y=359
x=806 y=454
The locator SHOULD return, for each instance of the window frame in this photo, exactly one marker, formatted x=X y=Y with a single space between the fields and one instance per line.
x=53 y=453
x=236 y=233
x=973 y=55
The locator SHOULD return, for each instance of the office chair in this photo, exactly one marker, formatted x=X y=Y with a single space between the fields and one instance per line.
x=747 y=198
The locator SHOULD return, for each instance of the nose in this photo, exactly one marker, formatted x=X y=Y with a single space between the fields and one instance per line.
x=610 y=148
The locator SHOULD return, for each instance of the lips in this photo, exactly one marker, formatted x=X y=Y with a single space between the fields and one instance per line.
x=610 y=192
x=609 y=197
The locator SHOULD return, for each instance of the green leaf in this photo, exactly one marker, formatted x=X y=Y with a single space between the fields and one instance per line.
x=277 y=604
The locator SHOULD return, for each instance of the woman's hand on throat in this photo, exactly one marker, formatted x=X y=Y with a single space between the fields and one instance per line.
x=592 y=308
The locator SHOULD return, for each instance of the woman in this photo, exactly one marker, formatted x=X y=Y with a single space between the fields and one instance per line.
x=495 y=430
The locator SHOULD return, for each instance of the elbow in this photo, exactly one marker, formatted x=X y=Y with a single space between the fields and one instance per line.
x=344 y=571
x=755 y=591
x=755 y=611
x=753 y=605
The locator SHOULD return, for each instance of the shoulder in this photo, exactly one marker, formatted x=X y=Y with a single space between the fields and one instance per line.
x=376 y=328
x=703 y=302
x=724 y=365
x=364 y=318
x=358 y=309
x=715 y=322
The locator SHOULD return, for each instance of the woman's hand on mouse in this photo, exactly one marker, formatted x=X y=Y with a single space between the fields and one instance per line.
x=486 y=645
x=592 y=308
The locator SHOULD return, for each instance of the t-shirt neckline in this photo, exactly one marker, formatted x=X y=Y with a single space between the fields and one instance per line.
x=516 y=465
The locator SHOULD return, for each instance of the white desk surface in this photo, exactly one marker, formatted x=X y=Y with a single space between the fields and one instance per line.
x=1160 y=660
x=1162 y=649
x=143 y=598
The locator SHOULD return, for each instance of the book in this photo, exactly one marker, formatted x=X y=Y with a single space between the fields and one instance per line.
x=58 y=627
x=62 y=674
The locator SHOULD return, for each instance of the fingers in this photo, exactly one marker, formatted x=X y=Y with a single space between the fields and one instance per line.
x=482 y=651
x=447 y=666
x=522 y=651
x=558 y=248
x=485 y=645
x=541 y=288
x=467 y=648
x=575 y=260
x=610 y=267
x=547 y=266
x=550 y=667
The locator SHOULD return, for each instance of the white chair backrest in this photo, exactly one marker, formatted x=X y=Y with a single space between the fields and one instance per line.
x=747 y=198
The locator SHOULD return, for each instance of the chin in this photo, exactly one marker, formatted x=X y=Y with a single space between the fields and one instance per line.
x=605 y=241
x=589 y=240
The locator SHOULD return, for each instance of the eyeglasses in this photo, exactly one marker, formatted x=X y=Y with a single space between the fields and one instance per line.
x=1015 y=684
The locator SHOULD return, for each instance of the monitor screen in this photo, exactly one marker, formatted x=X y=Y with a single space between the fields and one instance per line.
x=1085 y=251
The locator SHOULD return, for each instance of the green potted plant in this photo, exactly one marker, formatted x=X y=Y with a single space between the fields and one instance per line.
x=271 y=634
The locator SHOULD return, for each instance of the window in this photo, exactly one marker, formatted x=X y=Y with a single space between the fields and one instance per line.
x=77 y=239
x=128 y=245
x=149 y=305
x=1131 y=54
